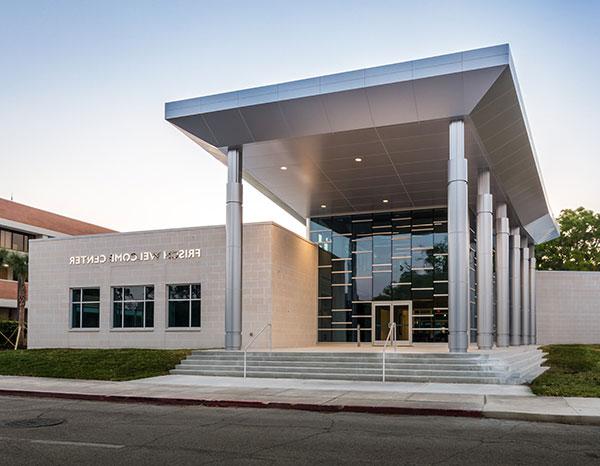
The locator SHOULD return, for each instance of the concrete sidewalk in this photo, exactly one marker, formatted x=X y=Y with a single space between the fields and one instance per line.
x=490 y=401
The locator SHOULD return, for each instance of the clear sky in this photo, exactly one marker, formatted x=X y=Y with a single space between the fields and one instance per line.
x=83 y=86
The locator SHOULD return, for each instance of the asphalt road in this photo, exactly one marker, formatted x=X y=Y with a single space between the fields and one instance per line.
x=82 y=432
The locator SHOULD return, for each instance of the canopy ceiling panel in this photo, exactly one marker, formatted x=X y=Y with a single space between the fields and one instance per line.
x=377 y=138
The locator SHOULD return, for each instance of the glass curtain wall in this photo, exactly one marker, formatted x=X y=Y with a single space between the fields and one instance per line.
x=391 y=256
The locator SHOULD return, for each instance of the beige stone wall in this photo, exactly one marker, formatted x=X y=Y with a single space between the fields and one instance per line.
x=51 y=277
x=568 y=307
x=294 y=272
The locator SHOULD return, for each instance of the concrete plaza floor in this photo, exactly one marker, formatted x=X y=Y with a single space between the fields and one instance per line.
x=499 y=402
x=418 y=348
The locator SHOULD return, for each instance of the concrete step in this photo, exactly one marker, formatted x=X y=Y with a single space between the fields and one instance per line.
x=513 y=366
x=347 y=365
x=346 y=359
x=337 y=370
x=346 y=354
x=525 y=362
x=362 y=377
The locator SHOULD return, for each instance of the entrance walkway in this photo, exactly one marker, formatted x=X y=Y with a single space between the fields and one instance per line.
x=326 y=385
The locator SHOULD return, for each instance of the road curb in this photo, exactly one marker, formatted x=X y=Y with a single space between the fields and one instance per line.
x=392 y=410
x=571 y=419
x=388 y=410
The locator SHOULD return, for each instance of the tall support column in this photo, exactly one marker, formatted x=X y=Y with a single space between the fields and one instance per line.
x=532 y=316
x=502 y=277
x=524 y=291
x=233 y=253
x=458 y=241
x=485 y=279
x=515 y=287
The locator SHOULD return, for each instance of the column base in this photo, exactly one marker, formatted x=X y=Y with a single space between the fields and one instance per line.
x=503 y=341
x=485 y=341
x=458 y=342
x=233 y=341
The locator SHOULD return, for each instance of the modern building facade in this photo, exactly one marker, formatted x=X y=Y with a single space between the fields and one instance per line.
x=422 y=197
x=408 y=176
x=18 y=225
x=166 y=289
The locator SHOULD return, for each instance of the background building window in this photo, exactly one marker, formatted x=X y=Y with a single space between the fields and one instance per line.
x=85 y=308
x=133 y=306
x=14 y=240
x=184 y=305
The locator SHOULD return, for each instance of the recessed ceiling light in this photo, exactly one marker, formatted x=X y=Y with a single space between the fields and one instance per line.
x=385 y=201
x=323 y=206
x=358 y=159
x=283 y=167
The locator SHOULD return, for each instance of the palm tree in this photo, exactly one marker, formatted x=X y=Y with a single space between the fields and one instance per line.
x=19 y=264
x=4 y=257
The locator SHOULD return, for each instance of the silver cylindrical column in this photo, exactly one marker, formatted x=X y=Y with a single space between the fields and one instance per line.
x=485 y=278
x=502 y=277
x=524 y=291
x=532 y=316
x=515 y=287
x=233 y=253
x=458 y=241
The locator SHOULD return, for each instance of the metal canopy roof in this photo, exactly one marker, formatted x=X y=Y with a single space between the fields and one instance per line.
x=395 y=118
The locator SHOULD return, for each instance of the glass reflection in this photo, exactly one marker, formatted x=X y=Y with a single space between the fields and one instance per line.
x=393 y=256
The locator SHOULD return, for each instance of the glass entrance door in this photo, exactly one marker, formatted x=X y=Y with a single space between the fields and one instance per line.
x=384 y=313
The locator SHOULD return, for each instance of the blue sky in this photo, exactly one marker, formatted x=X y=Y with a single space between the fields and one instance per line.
x=83 y=86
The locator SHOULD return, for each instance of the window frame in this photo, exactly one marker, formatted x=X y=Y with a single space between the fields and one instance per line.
x=190 y=300
x=14 y=240
x=123 y=301
x=81 y=302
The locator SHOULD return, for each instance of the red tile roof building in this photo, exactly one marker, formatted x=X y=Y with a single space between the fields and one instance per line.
x=10 y=210
x=18 y=224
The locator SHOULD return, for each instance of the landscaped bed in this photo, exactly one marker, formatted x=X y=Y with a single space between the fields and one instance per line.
x=574 y=371
x=97 y=364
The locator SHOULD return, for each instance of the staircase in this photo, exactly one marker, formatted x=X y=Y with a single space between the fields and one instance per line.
x=513 y=366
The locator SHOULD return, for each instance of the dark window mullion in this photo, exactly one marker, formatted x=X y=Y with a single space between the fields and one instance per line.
x=190 y=306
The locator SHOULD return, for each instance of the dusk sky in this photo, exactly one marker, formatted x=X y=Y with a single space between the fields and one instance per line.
x=83 y=86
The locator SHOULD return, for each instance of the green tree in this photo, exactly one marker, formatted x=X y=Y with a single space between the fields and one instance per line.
x=577 y=248
x=19 y=264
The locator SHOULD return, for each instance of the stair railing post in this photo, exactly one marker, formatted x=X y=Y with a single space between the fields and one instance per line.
x=251 y=342
x=392 y=327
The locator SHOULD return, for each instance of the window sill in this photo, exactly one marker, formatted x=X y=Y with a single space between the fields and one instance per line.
x=84 y=330
x=132 y=329
x=183 y=329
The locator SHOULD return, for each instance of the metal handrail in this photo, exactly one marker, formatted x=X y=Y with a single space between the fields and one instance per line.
x=254 y=339
x=358 y=335
x=391 y=336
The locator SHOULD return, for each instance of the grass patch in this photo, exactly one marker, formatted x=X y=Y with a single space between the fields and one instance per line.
x=574 y=371
x=95 y=364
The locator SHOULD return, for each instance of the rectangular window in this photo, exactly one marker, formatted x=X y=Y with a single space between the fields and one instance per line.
x=5 y=239
x=18 y=242
x=184 y=305
x=14 y=240
x=85 y=307
x=133 y=306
